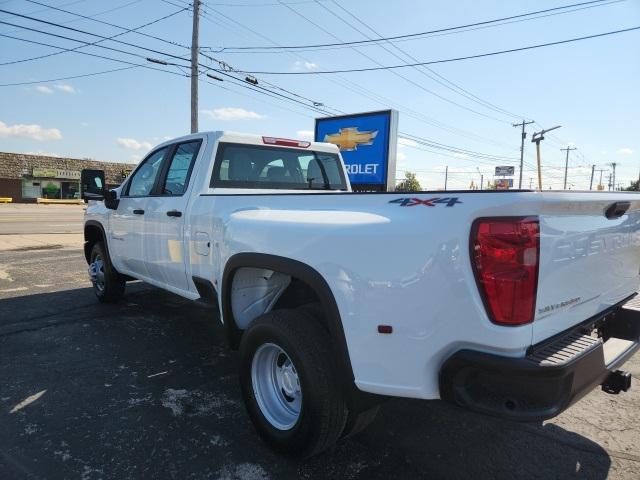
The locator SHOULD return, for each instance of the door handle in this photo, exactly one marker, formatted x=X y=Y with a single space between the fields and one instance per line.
x=174 y=213
x=138 y=212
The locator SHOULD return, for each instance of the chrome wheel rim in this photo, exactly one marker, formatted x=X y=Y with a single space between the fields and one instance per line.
x=276 y=386
x=96 y=273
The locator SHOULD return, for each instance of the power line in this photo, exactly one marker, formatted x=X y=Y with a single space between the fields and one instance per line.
x=88 y=44
x=363 y=91
x=82 y=53
x=418 y=85
x=414 y=35
x=75 y=40
x=443 y=81
x=84 y=32
x=448 y=60
x=71 y=77
x=91 y=17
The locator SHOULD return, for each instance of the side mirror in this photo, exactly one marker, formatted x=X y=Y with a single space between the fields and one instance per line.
x=111 y=200
x=92 y=185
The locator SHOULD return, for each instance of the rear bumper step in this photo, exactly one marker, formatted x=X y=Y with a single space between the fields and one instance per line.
x=552 y=376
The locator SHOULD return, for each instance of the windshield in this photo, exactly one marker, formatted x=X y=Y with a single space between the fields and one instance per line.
x=265 y=167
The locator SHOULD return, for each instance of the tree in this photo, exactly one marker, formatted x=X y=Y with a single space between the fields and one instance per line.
x=409 y=184
x=633 y=186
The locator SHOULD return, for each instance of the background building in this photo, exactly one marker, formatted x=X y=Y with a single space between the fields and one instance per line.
x=28 y=177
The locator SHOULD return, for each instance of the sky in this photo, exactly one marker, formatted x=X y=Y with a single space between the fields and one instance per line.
x=589 y=87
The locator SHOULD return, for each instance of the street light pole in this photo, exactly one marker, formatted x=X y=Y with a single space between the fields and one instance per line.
x=536 y=138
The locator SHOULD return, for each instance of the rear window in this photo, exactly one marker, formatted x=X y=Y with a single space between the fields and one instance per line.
x=257 y=166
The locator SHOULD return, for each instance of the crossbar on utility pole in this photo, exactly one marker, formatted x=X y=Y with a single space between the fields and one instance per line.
x=566 y=164
x=194 y=66
x=593 y=170
x=524 y=135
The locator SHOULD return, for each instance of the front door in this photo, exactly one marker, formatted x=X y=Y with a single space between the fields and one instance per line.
x=128 y=220
x=165 y=218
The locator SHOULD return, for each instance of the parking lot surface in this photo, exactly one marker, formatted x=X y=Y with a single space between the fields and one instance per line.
x=148 y=389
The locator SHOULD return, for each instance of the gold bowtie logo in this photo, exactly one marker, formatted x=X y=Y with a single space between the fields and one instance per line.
x=350 y=138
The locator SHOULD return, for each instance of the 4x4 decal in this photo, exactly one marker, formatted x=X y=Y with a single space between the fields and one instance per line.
x=431 y=202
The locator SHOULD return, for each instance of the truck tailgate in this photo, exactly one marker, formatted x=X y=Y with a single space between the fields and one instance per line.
x=588 y=262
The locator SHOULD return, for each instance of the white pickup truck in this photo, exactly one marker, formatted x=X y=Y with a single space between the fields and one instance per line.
x=509 y=303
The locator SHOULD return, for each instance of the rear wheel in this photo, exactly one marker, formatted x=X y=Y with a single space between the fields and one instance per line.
x=108 y=284
x=359 y=416
x=290 y=383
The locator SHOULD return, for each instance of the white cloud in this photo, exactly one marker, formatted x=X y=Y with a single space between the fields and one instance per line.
x=135 y=158
x=401 y=157
x=232 y=113
x=44 y=89
x=66 y=88
x=625 y=151
x=405 y=142
x=134 y=144
x=305 y=134
x=33 y=131
x=42 y=153
x=300 y=65
x=460 y=155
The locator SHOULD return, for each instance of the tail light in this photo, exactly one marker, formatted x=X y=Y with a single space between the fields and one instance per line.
x=505 y=257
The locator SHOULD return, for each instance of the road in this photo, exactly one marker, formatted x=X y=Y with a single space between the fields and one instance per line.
x=39 y=219
x=147 y=389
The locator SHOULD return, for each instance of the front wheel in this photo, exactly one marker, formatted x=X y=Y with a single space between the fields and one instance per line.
x=108 y=284
x=290 y=383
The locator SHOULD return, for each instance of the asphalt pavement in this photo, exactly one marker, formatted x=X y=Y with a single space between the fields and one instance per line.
x=148 y=389
x=40 y=219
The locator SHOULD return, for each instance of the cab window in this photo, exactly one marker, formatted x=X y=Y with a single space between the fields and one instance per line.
x=144 y=178
x=266 y=167
x=179 y=171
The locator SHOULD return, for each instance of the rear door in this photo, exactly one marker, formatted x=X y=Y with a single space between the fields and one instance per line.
x=589 y=259
x=165 y=217
x=128 y=220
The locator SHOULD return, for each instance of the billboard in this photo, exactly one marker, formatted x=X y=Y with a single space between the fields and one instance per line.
x=504 y=183
x=367 y=143
x=505 y=171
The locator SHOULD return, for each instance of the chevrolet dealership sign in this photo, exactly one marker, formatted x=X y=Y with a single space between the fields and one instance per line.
x=367 y=142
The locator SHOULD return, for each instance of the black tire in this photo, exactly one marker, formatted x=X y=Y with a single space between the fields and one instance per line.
x=359 y=417
x=323 y=411
x=112 y=288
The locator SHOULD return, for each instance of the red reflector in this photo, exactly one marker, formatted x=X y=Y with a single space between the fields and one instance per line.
x=505 y=256
x=285 y=142
x=385 y=329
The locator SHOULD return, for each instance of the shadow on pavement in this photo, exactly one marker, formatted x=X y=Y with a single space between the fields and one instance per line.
x=148 y=389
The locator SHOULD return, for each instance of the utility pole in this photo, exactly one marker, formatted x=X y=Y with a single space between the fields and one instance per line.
x=566 y=164
x=536 y=138
x=609 y=184
x=524 y=135
x=194 y=66
x=481 y=177
x=613 y=165
x=593 y=169
x=600 y=170
x=530 y=183
x=446 y=176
